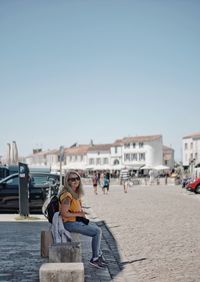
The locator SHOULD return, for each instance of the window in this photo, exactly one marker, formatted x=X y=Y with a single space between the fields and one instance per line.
x=81 y=158
x=127 y=157
x=91 y=161
x=39 y=179
x=98 y=161
x=116 y=162
x=186 y=146
x=141 y=144
x=115 y=150
x=105 y=161
x=127 y=146
x=134 y=145
x=142 y=156
x=13 y=181
x=134 y=157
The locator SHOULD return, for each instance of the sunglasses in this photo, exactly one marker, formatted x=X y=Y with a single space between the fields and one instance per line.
x=72 y=179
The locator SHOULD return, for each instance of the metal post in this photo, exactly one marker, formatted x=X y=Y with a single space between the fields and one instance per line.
x=23 y=189
x=61 y=160
x=60 y=173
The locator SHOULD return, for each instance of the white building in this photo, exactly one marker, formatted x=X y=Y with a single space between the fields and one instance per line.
x=168 y=157
x=137 y=151
x=76 y=157
x=191 y=149
x=133 y=152
x=98 y=157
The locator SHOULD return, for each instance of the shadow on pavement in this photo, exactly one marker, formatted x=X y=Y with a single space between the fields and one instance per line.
x=111 y=252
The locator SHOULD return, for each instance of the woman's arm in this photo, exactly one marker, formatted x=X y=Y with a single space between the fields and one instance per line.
x=65 y=207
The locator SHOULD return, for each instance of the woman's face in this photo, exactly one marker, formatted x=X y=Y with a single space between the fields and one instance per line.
x=74 y=181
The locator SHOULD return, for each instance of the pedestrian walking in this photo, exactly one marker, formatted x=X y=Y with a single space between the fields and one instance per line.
x=151 y=177
x=95 y=182
x=124 y=177
x=106 y=184
x=74 y=217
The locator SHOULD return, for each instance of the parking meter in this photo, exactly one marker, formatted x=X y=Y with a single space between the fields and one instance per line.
x=23 y=189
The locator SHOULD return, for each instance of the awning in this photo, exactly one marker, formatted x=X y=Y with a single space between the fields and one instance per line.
x=134 y=166
x=146 y=167
x=161 y=167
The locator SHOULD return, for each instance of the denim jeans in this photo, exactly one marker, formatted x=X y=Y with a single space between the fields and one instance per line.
x=91 y=230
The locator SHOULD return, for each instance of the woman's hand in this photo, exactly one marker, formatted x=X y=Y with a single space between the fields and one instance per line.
x=82 y=213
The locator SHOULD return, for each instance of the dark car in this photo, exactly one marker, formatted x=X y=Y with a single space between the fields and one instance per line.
x=40 y=184
x=6 y=170
x=194 y=186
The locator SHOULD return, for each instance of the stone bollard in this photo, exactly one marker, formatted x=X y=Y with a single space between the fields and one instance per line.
x=62 y=272
x=65 y=252
x=46 y=240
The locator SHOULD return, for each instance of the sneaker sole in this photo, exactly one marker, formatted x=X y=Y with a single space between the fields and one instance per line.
x=95 y=265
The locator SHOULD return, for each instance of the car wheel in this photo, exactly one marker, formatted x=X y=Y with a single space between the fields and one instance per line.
x=197 y=189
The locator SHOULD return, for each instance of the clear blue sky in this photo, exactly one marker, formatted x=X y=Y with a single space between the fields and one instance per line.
x=71 y=71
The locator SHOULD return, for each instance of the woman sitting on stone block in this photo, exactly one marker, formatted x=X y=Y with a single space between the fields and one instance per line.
x=74 y=218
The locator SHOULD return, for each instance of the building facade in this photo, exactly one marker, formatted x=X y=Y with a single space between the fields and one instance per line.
x=133 y=152
x=168 y=157
x=191 y=149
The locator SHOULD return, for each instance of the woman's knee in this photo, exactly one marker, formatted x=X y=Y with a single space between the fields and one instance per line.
x=98 y=231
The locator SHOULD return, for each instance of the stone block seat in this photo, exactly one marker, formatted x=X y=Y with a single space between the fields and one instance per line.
x=62 y=272
x=64 y=260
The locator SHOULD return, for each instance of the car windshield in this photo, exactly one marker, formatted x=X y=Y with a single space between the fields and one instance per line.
x=13 y=181
x=8 y=178
x=39 y=179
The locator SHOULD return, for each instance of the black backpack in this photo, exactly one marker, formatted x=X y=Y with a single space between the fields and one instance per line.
x=50 y=206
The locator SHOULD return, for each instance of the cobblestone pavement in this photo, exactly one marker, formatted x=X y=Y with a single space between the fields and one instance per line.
x=149 y=234
x=156 y=231
x=20 y=251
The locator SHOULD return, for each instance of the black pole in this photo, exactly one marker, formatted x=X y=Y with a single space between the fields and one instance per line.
x=23 y=189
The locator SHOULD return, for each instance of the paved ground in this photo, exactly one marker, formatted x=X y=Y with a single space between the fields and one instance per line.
x=149 y=234
x=20 y=250
x=156 y=230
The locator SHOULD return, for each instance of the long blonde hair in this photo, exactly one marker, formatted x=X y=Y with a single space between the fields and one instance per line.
x=67 y=188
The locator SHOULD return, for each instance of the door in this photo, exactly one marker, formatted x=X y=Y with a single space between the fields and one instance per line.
x=9 y=193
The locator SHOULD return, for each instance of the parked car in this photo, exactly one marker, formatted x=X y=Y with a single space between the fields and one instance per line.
x=6 y=170
x=194 y=186
x=39 y=184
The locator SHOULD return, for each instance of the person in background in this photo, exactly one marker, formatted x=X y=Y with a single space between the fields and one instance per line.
x=74 y=217
x=151 y=177
x=101 y=179
x=124 y=177
x=95 y=182
x=106 y=184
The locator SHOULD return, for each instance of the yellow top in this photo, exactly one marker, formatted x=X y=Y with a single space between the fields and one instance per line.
x=75 y=206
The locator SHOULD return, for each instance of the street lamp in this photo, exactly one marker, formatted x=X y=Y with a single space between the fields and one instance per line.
x=61 y=155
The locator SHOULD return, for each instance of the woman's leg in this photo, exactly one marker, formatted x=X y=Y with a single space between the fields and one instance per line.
x=91 y=230
x=95 y=189
x=108 y=188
